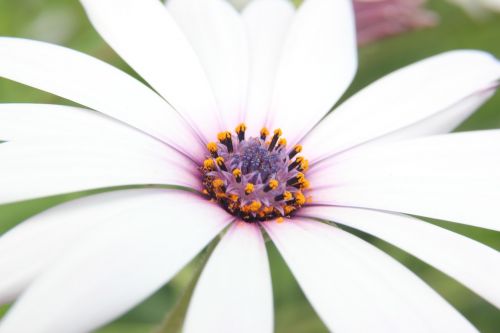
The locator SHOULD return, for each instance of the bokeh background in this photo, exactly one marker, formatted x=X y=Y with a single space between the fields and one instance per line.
x=63 y=22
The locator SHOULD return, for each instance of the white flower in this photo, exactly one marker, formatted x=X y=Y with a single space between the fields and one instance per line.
x=378 y=156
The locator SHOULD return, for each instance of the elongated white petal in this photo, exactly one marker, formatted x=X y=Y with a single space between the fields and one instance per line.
x=32 y=122
x=31 y=170
x=95 y=84
x=354 y=287
x=149 y=40
x=429 y=97
x=59 y=123
x=317 y=65
x=475 y=265
x=453 y=177
x=217 y=34
x=28 y=249
x=267 y=23
x=441 y=122
x=234 y=291
x=117 y=265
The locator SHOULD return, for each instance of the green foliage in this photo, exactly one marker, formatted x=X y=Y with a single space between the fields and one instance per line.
x=174 y=320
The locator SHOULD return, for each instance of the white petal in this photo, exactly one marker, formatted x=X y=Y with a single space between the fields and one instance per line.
x=31 y=170
x=442 y=122
x=354 y=287
x=475 y=265
x=93 y=83
x=149 y=40
x=48 y=122
x=217 y=34
x=51 y=122
x=29 y=248
x=267 y=23
x=234 y=291
x=454 y=177
x=429 y=97
x=60 y=124
x=117 y=265
x=317 y=65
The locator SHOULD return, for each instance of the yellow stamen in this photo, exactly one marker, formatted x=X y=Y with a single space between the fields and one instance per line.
x=212 y=147
x=273 y=184
x=267 y=210
x=297 y=149
x=287 y=196
x=237 y=175
x=304 y=165
x=264 y=132
x=219 y=160
x=298 y=179
x=245 y=209
x=282 y=142
x=274 y=140
x=221 y=195
x=298 y=161
x=280 y=220
x=300 y=199
x=288 y=209
x=217 y=183
x=233 y=197
x=208 y=164
x=240 y=128
x=255 y=206
x=223 y=136
x=249 y=188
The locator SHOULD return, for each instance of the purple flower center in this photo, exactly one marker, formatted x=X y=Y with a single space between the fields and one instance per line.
x=255 y=179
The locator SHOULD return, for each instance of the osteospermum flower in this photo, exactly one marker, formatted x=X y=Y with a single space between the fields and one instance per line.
x=227 y=90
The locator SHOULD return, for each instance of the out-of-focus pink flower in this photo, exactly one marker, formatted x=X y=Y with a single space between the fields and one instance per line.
x=377 y=19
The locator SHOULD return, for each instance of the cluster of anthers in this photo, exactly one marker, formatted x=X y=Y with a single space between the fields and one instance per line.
x=255 y=179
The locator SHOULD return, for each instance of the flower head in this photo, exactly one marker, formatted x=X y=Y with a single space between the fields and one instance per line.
x=206 y=152
x=255 y=179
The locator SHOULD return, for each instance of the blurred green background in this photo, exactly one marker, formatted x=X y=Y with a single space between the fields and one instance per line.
x=63 y=22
